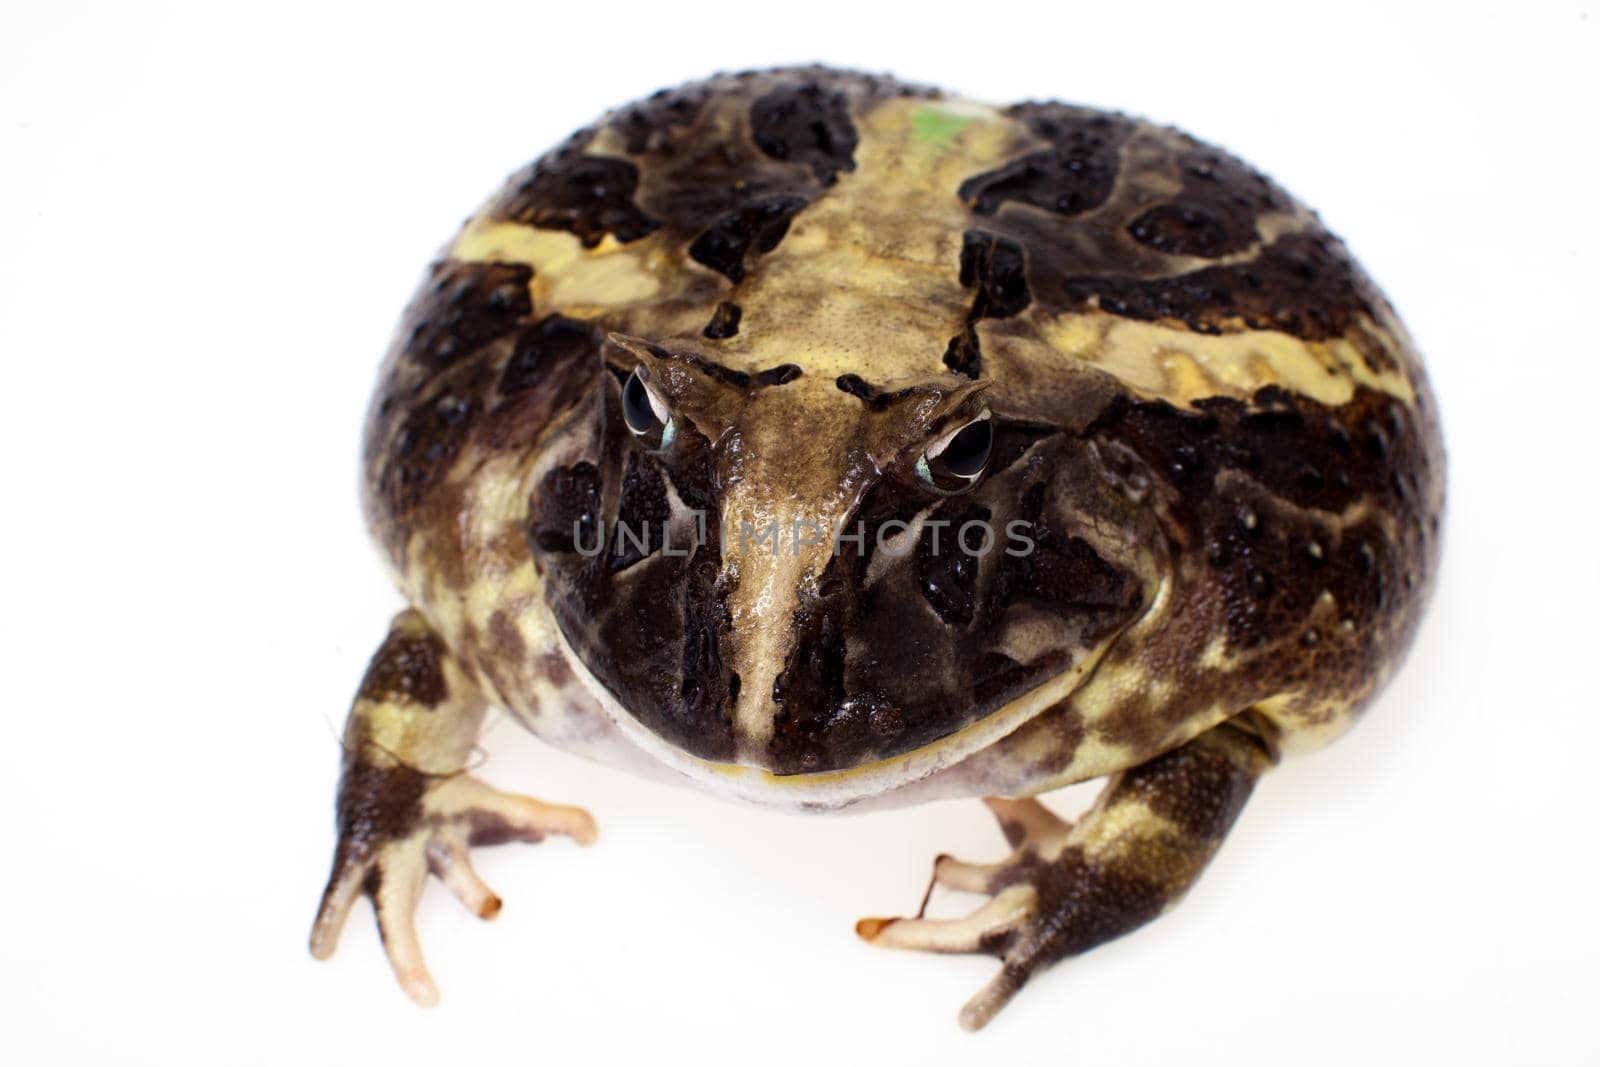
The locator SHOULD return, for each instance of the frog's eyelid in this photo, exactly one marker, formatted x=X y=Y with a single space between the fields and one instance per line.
x=658 y=405
x=936 y=449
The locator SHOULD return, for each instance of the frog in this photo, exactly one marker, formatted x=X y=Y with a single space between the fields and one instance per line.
x=834 y=443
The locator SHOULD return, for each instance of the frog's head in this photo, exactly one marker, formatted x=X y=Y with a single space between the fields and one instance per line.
x=808 y=572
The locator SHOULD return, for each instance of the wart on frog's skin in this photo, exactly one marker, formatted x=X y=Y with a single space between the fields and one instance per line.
x=818 y=296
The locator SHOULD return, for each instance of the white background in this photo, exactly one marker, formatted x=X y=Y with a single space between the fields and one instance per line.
x=209 y=221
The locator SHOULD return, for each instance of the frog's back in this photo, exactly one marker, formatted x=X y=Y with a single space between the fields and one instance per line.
x=1120 y=283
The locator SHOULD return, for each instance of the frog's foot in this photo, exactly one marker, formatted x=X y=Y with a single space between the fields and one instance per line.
x=1067 y=888
x=396 y=826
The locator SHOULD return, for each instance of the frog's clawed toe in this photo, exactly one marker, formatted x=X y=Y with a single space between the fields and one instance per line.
x=1011 y=925
x=389 y=844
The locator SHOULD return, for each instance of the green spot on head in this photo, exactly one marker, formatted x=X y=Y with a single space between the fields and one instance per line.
x=936 y=126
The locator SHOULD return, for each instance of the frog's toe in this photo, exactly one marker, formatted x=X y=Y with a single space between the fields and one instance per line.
x=392 y=877
x=337 y=899
x=449 y=859
x=994 y=922
x=491 y=817
x=963 y=877
x=1027 y=820
x=394 y=898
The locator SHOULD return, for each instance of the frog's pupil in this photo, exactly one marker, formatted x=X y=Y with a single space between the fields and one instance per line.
x=968 y=450
x=636 y=409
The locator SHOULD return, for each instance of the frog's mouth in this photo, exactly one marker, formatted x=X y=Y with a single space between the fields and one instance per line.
x=835 y=789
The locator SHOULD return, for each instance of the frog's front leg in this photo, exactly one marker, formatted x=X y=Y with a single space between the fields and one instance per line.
x=1069 y=887
x=406 y=805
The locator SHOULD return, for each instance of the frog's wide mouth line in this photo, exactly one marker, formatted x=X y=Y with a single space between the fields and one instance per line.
x=834 y=790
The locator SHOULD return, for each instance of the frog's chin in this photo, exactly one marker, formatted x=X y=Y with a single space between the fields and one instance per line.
x=870 y=784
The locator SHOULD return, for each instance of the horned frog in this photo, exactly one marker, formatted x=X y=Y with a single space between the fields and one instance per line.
x=828 y=442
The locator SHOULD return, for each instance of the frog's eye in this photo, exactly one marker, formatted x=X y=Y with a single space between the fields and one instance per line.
x=955 y=462
x=646 y=415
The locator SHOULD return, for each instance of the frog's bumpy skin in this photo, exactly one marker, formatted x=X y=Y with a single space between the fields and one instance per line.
x=1213 y=428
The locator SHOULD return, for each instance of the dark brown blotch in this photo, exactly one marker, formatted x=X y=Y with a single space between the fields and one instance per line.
x=874 y=397
x=1066 y=572
x=651 y=125
x=666 y=655
x=964 y=355
x=378 y=802
x=425 y=448
x=807 y=124
x=568 y=510
x=589 y=196
x=642 y=515
x=724 y=321
x=505 y=640
x=1303 y=284
x=782 y=374
x=408 y=668
x=755 y=227
x=1215 y=213
x=947 y=573
x=556 y=670
x=555 y=341
x=464 y=307
x=996 y=266
x=857 y=386
x=1075 y=174
x=820 y=725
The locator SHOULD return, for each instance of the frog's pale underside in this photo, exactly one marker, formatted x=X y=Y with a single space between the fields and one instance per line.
x=829 y=442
